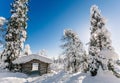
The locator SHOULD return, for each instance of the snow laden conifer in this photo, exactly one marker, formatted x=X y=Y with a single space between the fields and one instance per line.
x=27 y=50
x=73 y=51
x=99 y=43
x=42 y=52
x=16 y=33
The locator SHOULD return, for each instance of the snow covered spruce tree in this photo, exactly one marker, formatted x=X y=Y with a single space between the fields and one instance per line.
x=99 y=42
x=16 y=33
x=73 y=51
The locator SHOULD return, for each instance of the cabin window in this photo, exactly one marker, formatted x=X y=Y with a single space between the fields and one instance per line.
x=35 y=66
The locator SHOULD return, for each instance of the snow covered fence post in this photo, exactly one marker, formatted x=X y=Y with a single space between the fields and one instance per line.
x=16 y=33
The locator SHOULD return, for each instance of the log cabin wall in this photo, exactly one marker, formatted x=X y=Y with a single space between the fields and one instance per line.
x=42 y=67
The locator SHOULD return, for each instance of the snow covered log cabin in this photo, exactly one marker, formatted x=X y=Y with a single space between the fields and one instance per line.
x=32 y=64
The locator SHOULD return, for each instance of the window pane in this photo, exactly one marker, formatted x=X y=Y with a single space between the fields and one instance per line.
x=34 y=66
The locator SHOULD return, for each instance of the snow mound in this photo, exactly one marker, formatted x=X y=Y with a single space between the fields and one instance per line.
x=9 y=77
x=105 y=77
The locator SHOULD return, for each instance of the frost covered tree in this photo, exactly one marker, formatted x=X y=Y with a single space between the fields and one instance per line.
x=16 y=32
x=73 y=51
x=99 y=41
x=27 y=50
x=3 y=22
x=42 y=52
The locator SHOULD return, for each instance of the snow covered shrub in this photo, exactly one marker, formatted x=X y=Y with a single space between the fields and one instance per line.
x=58 y=64
x=56 y=67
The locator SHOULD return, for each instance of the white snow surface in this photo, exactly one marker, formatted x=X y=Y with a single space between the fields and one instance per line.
x=28 y=58
x=9 y=77
x=58 y=77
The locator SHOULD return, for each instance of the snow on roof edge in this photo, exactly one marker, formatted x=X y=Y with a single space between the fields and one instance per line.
x=30 y=57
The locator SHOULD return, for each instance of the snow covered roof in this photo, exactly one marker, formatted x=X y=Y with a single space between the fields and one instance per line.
x=28 y=58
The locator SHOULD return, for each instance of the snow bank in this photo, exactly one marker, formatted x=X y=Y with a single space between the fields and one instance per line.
x=59 y=77
x=105 y=77
x=63 y=77
x=9 y=77
x=28 y=58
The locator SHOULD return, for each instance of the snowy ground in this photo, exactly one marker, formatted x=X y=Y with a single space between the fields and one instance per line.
x=7 y=77
x=61 y=77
